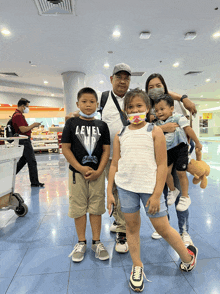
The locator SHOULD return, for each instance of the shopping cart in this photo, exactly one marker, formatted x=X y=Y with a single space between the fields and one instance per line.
x=9 y=154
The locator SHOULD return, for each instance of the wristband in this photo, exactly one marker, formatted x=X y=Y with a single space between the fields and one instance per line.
x=183 y=97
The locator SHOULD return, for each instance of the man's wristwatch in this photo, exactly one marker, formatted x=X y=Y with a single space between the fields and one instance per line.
x=183 y=97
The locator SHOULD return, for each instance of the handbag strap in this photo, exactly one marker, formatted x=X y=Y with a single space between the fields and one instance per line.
x=122 y=114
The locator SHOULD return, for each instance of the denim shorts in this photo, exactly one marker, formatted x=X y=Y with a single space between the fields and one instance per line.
x=130 y=202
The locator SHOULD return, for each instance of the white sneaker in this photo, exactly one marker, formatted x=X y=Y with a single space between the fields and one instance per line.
x=186 y=239
x=183 y=203
x=172 y=195
x=156 y=236
x=121 y=243
x=113 y=227
x=78 y=252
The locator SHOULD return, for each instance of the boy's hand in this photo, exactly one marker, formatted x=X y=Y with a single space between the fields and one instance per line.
x=92 y=175
x=84 y=170
x=199 y=146
x=170 y=127
x=110 y=201
x=154 y=205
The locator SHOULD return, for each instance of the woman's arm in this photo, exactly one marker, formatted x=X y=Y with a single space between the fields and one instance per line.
x=112 y=171
x=188 y=104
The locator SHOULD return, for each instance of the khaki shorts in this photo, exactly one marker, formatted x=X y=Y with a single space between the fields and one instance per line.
x=86 y=196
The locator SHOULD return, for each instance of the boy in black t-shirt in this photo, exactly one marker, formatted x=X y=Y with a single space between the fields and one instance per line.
x=86 y=146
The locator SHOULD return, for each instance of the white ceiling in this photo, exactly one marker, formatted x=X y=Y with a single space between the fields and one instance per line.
x=81 y=41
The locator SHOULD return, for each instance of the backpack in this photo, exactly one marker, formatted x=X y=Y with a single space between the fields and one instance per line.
x=103 y=101
x=10 y=131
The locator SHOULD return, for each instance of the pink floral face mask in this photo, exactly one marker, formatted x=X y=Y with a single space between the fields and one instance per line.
x=136 y=118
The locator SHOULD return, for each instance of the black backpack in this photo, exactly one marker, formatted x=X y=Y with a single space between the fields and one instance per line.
x=10 y=131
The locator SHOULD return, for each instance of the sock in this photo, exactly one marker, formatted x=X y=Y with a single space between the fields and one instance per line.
x=94 y=241
x=82 y=241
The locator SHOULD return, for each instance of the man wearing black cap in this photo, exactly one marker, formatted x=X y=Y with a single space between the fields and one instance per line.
x=120 y=81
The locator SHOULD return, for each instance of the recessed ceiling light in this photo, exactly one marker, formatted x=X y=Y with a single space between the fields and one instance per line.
x=201 y=96
x=101 y=82
x=208 y=80
x=5 y=32
x=45 y=82
x=176 y=64
x=216 y=35
x=116 y=34
x=52 y=95
x=217 y=102
x=106 y=65
x=145 y=35
x=33 y=65
x=190 y=36
x=206 y=104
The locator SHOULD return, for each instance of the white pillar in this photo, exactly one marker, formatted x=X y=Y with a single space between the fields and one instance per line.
x=73 y=81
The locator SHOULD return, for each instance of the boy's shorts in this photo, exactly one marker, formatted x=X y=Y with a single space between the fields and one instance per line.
x=130 y=202
x=86 y=196
x=178 y=156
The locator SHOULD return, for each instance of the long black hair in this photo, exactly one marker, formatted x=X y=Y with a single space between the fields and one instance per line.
x=151 y=77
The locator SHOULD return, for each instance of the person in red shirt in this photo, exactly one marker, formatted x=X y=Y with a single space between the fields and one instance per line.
x=21 y=127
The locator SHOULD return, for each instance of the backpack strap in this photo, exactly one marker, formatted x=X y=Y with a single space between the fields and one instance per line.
x=103 y=101
x=150 y=127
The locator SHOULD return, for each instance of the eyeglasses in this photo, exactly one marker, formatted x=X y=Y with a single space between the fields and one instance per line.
x=120 y=78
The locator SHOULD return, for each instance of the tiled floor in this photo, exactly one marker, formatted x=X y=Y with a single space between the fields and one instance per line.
x=34 y=249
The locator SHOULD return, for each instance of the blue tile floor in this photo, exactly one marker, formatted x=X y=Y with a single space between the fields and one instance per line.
x=34 y=249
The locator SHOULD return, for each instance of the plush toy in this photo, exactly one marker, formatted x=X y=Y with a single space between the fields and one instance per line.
x=199 y=169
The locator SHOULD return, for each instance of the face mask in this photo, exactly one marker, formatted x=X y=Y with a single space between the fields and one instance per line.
x=88 y=116
x=136 y=118
x=26 y=110
x=155 y=93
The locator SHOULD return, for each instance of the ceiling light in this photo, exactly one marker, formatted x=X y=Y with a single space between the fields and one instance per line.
x=145 y=35
x=216 y=35
x=5 y=32
x=116 y=34
x=45 y=82
x=190 y=36
x=33 y=65
x=217 y=102
x=106 y=65
x=208 y=80
x=201 y=96
x=101 y=82
x=176 y=64
x=52 y=95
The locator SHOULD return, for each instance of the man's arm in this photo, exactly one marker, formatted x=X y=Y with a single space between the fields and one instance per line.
x=189 y=132
x=187 y=103
x=24 y=129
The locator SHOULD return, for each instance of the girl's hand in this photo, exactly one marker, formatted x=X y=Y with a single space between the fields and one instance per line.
x=154 y=205
x=110 y=201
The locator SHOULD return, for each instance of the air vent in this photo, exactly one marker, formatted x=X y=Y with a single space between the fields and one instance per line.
x=138 y=73
x=8 y=74
x=193 y=73
x=47 y=7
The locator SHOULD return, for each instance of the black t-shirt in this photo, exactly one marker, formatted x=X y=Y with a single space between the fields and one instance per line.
x=87 y=138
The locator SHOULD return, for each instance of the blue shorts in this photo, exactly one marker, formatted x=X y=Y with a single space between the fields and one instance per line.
x=130 y=202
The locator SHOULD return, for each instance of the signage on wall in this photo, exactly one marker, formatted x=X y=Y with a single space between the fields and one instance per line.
x=207 y=115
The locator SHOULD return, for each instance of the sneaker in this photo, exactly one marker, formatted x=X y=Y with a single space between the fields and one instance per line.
x=187 y=267
x=156 y=236
x=172 y=195
x=100 y=251
x=39 y=185
x=121 y=243
x=113 y=227
x=78 y=252
x=136 y=281
x=186 y=239
x=183 y=203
